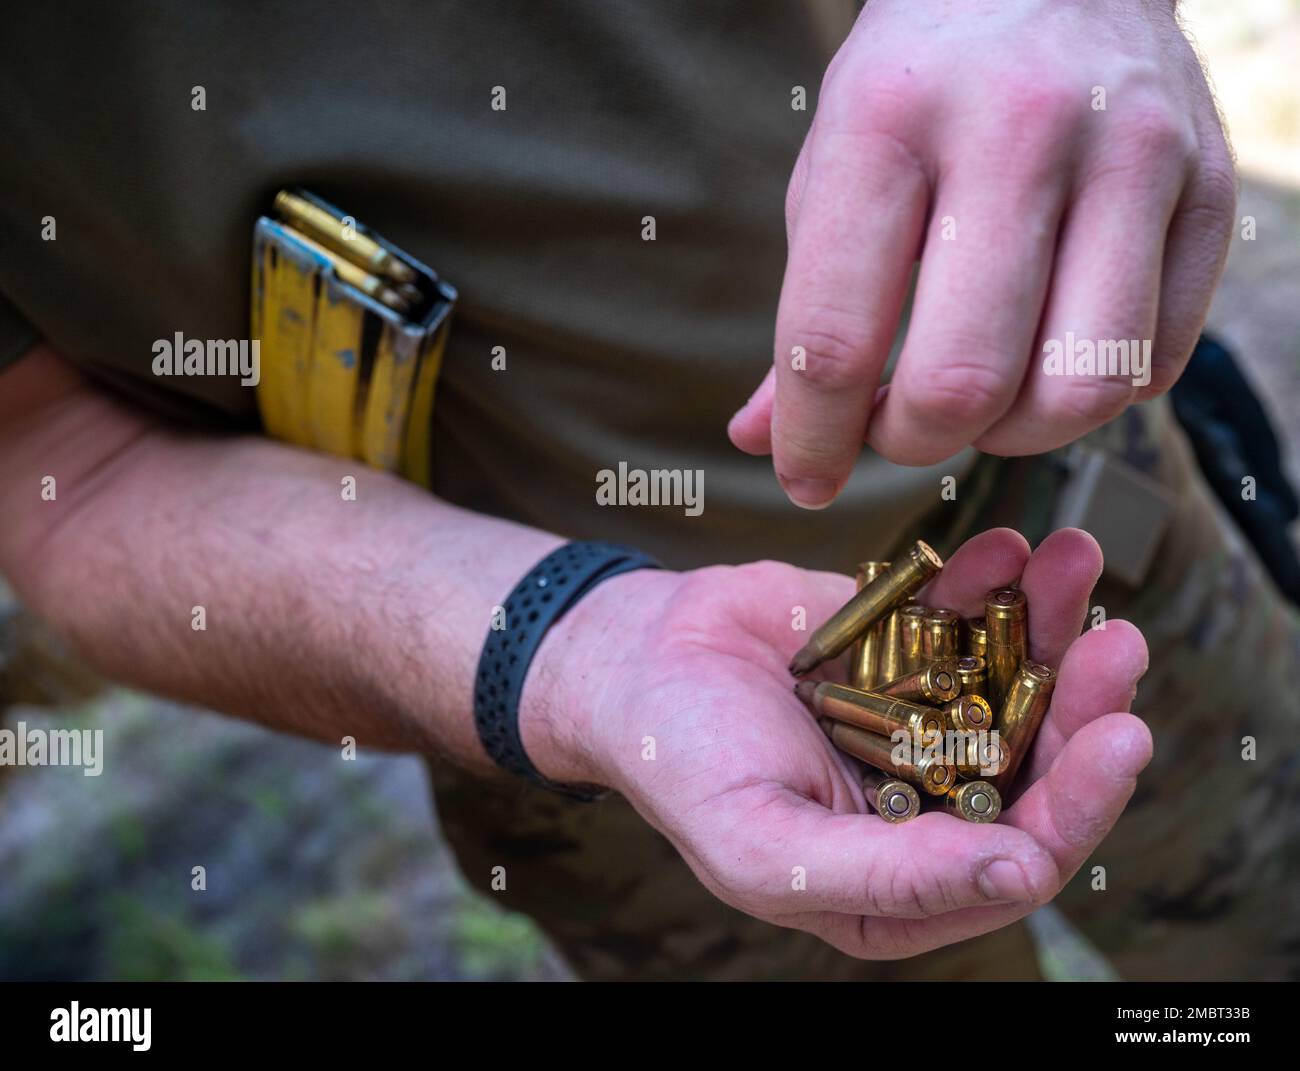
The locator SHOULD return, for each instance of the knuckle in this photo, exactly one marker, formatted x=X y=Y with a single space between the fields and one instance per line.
x=884 y=103
x=899 y=891
x=908 y=896
x=1213 y=197
x=1153 y=132
x=1039 y=107
x=834 y=349
x=1094 y=400
x=959 y=394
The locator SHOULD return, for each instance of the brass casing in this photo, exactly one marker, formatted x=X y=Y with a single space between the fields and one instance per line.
x=939 y=635
x=911 y=622
x=975 y=801
x=902 y=579
x=974 y=675
x=864 y=655
x=876 y=713
x=370 y=285
x=969 y=714
x=891 y=651
x=936 y=683
x=977 y=637
x=931 y=774
x=1027 y=701
x=988 y=755
x=891 y=797
x=331 y=232
x=1007 y=614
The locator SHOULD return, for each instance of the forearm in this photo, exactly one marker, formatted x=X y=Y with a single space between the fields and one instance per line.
x=325 y=616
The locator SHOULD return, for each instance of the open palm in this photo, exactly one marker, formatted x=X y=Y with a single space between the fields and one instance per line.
x=699 y=727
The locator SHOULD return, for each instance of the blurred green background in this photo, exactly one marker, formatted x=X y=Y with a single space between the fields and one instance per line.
x=320 y=868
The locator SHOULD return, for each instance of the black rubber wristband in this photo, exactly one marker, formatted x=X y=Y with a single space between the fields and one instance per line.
x=541 y=598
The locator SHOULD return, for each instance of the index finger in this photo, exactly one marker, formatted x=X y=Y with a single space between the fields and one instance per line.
x=851 y=256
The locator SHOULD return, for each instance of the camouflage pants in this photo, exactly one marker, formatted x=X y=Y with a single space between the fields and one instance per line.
x=1202 y=870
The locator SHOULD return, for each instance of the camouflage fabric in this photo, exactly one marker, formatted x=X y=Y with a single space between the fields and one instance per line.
x=620 y=904
x=1200 y=871
x=1204 y=866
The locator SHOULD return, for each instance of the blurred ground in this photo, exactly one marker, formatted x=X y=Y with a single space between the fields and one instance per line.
x=327 y=869
x=316 y=867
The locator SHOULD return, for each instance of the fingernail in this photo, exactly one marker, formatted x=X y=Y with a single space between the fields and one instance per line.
x=810 y=494
x=1003 y=880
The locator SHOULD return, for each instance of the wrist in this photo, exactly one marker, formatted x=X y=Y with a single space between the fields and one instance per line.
x=571 y=694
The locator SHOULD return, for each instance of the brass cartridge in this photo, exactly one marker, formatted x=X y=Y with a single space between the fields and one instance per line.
x=928 y=771
x=969 y=714
x=939 y=633
x=977 y=637
x=370 y=285
x=1007 y=615
x=974 y=675
x=936 y=683
x=891 y=797
x=975 y=801
x=331 y=232
x=1027 y=701
x=876 y=713
x=891 y=651
x=864 y=655
x=902 y=579
x=980 y=755
x=911 y=620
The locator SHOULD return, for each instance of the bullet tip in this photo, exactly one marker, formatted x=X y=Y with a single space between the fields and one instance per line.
x=804 y=690
x=803 y=662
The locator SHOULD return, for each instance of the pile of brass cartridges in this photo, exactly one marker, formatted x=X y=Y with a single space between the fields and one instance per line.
x=935 y=703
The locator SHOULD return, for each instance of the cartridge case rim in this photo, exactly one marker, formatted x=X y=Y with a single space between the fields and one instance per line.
x=926 y=555
x=930 y=765
x=887 y=792
x=965 y=799
x=1034 y=676
x=958 y=716
x=997 y=609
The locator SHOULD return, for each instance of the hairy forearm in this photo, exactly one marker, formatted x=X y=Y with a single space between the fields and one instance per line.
x=323 y=615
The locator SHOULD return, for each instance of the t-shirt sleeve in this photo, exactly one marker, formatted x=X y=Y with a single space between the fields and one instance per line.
x=17 y=336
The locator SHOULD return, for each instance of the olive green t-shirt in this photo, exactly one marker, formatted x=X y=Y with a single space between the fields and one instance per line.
x=618 y=349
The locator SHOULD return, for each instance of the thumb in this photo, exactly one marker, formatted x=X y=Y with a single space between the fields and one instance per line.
x=750 y=429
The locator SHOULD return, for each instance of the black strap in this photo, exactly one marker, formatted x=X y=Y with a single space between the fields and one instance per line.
x=541 y=598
